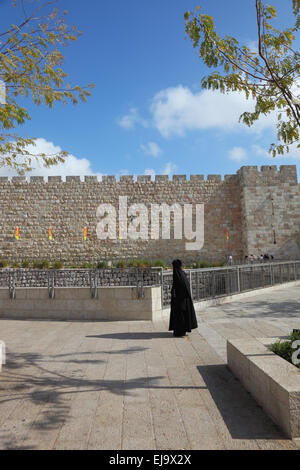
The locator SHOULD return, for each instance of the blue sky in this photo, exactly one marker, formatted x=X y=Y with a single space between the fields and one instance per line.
x=148 y=113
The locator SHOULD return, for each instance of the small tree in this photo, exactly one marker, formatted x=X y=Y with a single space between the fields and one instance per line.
x=269 y=75
x=31 y=66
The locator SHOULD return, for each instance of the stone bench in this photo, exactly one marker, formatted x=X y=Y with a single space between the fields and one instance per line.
x=271 y=380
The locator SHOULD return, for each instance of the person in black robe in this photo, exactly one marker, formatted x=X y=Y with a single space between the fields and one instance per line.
x=183 y=317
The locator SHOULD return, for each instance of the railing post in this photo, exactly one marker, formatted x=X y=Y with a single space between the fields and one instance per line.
x=213 y=287
x=272 y=275
x=93 y=289
x=162 y=287
x=227 y=282
x=280 y=271
x=51 y=285
x=238 y=279
x=12 y=285
x=191 y=284
x=139 y=286
x=251 y=277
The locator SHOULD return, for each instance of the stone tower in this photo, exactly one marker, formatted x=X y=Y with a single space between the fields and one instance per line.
x=270 y=205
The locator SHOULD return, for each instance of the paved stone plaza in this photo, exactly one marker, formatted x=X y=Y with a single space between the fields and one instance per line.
x=131 y=385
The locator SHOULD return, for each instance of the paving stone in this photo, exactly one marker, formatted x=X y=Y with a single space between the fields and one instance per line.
x=132 y=385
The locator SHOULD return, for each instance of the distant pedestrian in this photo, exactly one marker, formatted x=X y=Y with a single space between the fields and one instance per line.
x=230 y=260
x=183 y=317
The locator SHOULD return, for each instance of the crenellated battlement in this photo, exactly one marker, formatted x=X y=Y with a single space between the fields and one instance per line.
x=124 y=179
x=286 y=173
x=268 y=174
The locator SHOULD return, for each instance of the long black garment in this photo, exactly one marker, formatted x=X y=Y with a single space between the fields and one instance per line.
x=183 y=317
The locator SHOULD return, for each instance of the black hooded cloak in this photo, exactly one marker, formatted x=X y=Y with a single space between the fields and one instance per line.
x=183 y=317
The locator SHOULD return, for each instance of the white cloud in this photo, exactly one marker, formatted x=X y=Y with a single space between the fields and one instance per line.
x=152 y=149
x=237 y=154
x=130 y=120
x=253 y=46
x=178 y=110
x=71 y=167
x=261 y=152
x=151 y=172
x=169 y=169
x=294 y=152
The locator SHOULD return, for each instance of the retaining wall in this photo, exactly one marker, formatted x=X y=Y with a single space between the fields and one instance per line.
x=112 y=303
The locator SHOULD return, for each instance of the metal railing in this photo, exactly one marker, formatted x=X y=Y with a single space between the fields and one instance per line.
x=13 y=279
x=219 y=282
x=205 y=283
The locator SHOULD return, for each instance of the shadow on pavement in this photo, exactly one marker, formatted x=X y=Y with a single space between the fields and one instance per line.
x=141 y=336
x=244 y=418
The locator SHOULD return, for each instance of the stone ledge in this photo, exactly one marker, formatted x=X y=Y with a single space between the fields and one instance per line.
x=271 y=380
x=76 y=304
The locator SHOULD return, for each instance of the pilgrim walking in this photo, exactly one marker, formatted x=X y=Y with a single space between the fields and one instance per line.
x=183 y=317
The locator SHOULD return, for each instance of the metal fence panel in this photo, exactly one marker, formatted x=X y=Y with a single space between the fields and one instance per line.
x=217 y=282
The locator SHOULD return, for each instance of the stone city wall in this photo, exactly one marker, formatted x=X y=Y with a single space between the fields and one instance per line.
x=252 y=204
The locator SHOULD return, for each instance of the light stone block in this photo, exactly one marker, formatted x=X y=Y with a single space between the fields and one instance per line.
x=272 y=381
x=111 y=303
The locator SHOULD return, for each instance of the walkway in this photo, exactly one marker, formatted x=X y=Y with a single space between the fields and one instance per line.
x=131 y=385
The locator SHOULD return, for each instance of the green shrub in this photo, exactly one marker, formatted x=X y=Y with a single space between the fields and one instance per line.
x=3 y=264
x=25 y=265
x=158 y=263
x=202 y=265
x=121 y=264
x=41 y=264
x=206 y=265
x=15 y=265
x=146 y=263
x=284 y=348
x=58 y=265
x=140 y=263
x=87 y=266
x=132 y=263
x=102 y=265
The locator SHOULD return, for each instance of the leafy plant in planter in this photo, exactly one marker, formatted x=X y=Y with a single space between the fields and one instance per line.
x=284 y=348
x=3 y=264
